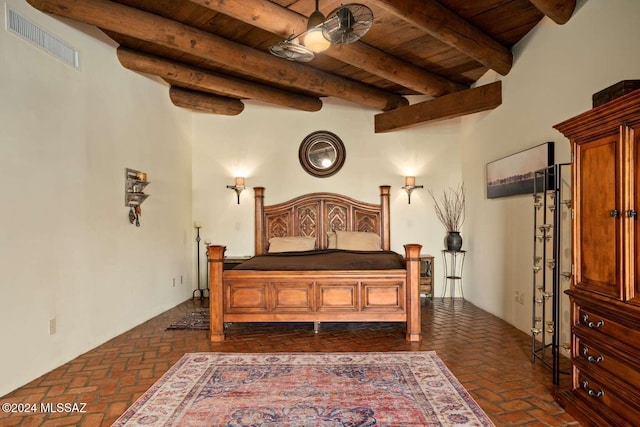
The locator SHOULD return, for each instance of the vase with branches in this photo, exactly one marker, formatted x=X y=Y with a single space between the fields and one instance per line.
x=449 y=209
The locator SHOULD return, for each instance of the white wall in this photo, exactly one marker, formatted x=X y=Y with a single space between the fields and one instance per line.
x=262 y=144
x=67 y=250
x=556 y=70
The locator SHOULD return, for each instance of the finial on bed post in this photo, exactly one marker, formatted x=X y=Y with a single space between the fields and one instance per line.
x=385 y=225
x=412 y=259
x=259 y=220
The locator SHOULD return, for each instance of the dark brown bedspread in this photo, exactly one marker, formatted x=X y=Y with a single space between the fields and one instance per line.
x=327 y=259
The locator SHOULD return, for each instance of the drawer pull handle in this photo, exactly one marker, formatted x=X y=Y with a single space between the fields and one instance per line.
x=592 y=325
x=585 y=353
x=591 y=392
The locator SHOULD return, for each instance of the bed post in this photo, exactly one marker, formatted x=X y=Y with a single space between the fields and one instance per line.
x=412 y=257
x=385 y=236
x=216 y=293
x=259 y=220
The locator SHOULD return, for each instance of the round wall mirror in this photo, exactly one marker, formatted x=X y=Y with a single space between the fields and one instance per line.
x=321 y=153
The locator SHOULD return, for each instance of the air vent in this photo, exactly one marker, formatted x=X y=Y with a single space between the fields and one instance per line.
x=40 y=37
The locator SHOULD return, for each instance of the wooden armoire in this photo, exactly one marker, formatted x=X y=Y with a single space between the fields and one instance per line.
x=604 y=293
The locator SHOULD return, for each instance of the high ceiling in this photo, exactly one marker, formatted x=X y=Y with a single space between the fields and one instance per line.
x=215 y=53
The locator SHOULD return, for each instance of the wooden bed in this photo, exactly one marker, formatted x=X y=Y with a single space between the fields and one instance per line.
x=316 y=296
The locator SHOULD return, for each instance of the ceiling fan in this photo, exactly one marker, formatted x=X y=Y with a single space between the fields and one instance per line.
x=343 y=25
x=347 y=23
x=292 y=50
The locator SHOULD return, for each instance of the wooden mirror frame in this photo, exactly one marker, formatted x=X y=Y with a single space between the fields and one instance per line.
x=314 y=138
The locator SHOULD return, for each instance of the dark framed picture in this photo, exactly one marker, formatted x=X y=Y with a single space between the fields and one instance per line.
x=516 y=174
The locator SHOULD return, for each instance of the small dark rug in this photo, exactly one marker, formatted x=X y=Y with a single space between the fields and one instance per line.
x=197 y=320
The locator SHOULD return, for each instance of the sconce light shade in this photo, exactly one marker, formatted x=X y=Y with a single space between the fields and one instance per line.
x=238 y=187
x=410 y=185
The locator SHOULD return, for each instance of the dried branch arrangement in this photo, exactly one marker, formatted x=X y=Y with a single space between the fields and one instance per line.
x=450 y=207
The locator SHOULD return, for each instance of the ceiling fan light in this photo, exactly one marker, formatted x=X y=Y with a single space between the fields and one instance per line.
x=313 y=38
x=315 y=41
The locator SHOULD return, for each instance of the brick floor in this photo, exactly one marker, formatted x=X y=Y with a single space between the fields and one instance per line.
x=490 y=358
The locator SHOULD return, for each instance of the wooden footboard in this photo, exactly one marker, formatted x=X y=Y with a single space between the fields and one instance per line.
x=315 y=296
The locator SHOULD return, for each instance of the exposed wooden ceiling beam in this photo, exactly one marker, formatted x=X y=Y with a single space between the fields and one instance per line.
x=446 y=26
x=558 y=10
x=205 y=102
x=283 y=22
x=195 y=78
x=393 y=69
x=152 y=28
x=457 y=104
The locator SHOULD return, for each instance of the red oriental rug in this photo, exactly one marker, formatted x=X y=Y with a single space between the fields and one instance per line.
x=306 y=389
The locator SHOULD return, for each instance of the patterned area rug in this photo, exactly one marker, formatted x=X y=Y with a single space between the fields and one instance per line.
x=196 y=320
x=306 y=389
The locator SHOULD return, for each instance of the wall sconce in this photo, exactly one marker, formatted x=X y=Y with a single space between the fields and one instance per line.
x=410 y=185
x=238 y=187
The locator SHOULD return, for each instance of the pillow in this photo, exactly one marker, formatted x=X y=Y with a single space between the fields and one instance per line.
x=358 y=241
x=291 y=244
x=331 y=240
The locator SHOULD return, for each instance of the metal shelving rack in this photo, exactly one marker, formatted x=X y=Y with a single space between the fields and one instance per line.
x=551 y=265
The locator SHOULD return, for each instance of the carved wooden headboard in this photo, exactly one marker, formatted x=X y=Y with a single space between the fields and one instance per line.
x=315 y=214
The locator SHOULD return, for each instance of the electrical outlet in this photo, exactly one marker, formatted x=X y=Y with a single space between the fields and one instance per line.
x=53 y=326
x=174 y=282
x=181 y=282
x=521 y=298
x=516 y=296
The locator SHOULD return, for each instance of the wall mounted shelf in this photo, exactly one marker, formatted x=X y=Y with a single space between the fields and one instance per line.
x=134 y=185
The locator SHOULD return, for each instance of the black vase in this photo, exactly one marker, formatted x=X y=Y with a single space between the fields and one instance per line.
x=454 y=241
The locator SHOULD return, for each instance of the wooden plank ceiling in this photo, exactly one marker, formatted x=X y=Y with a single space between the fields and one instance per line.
x=215 y=53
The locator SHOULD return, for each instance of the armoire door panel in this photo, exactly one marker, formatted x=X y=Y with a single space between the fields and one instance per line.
x=600 y=217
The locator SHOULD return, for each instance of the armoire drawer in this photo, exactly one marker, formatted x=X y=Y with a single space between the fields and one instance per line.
x=593 y=323
x=597 y=393
x=591 y=357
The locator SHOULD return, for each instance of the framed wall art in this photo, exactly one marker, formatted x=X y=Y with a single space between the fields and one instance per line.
x=515 y=174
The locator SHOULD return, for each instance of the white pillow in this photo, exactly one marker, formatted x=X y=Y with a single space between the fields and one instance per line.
x=358 y=241
x=331 y=240
x=291 y=244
